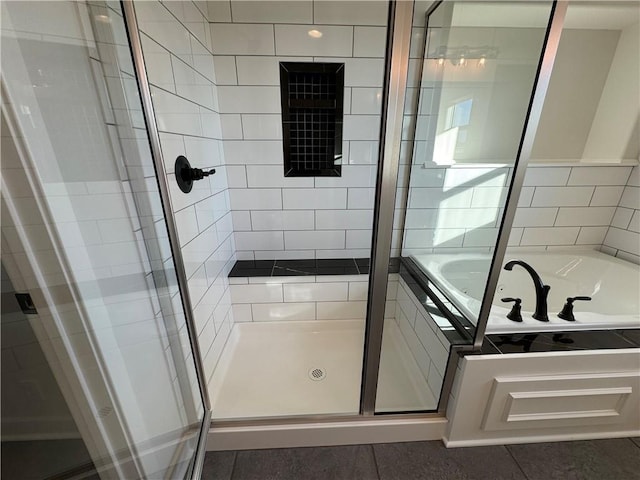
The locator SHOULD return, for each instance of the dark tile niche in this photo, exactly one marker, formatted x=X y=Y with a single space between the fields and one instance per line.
x=312 y=110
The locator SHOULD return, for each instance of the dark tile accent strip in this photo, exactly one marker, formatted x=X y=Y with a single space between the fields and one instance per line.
x=329 y=266
x=561 y=341
x=461 y=331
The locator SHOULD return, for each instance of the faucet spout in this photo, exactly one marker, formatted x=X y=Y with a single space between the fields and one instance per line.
x=542 y=290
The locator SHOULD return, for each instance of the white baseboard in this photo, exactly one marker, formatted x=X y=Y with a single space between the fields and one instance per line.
x=326 y=434
x=538 y=439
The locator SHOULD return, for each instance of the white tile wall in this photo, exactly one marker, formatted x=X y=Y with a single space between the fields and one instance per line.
x=242 y=39
x=244 y=99
x=281 y=220
x=294 y=40
x=309 y=240
x=316 y=199
x=369 y=41
x=623 y=237
x=344 y=12
x=316 y=292
x=261 y=127
x=323 y=297
x=300 y=11
x=263 y=70
x=320 y=217
x=559 y=205
x=427 y=345
x=178 y=41
x=262 y=176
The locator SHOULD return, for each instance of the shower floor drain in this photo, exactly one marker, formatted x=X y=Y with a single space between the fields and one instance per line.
x=317 y=374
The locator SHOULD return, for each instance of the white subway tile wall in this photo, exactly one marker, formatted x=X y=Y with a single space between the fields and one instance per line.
x=622 y=239
x=276 y=217
x=183 y=71
x=426 y=342
x=298 y=298
x=558 y=206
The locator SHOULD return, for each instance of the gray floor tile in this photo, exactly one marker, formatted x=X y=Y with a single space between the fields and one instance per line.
x=322 y=463
x=218 y=465
x=433 y=461
x=615 y=459
x=39 y=459
x=636 y=440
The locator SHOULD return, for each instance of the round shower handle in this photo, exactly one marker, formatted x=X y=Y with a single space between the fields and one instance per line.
x=186 y=174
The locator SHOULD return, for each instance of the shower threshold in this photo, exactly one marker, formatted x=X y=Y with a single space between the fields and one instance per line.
x=275 y=369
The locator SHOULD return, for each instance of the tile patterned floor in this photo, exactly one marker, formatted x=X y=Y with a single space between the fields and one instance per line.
x=613 y=459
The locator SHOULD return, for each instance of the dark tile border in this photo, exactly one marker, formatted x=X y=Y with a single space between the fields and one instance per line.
x=328 y=266
x=461 y=331
x=524 y=342
x=528 y=342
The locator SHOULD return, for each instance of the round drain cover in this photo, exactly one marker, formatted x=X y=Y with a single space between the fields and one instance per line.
x=317 y=374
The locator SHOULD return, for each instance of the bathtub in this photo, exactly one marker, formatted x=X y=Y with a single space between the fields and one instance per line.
x=613 y=285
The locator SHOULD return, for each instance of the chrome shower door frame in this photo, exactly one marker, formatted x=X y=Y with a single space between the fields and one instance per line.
x=532 y=120
x=394 y=89
x=135 y=45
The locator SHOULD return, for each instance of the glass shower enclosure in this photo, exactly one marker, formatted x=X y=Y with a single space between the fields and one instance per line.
x=98 y=374
x=91 y=251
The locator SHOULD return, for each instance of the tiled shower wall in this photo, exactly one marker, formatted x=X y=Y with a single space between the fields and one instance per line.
x=428 y=345
x=563 y=206
x=176 y=43
x=460 y=206
x=322 y=297
x=276 y=217
x=623 y=237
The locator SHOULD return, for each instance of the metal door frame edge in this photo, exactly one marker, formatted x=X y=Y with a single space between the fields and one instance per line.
x=133 y=33
x=539 y=93
x=393 y=96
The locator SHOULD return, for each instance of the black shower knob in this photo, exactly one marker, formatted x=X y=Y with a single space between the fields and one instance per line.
x=186 y=175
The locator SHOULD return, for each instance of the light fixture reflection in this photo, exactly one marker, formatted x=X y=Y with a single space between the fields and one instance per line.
x=315 y=33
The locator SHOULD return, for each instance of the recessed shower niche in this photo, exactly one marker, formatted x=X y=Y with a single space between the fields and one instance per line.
x=312 y=105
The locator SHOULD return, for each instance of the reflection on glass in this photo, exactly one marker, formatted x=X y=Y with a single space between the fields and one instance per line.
x=471 y=80
x=84 y=233
x=479 y=67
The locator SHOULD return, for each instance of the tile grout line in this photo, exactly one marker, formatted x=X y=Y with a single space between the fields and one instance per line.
x=636 y=444
x=235 y=459
x=375 y=460
x=506 y=447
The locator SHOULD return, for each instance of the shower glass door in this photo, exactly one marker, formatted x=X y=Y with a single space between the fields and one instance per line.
x=473 y=70
x=99 y=351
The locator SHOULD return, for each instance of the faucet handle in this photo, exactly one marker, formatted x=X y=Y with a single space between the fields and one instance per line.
x=515 y=314
x=583 y=298
x=567 y=311
x=510 y=299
